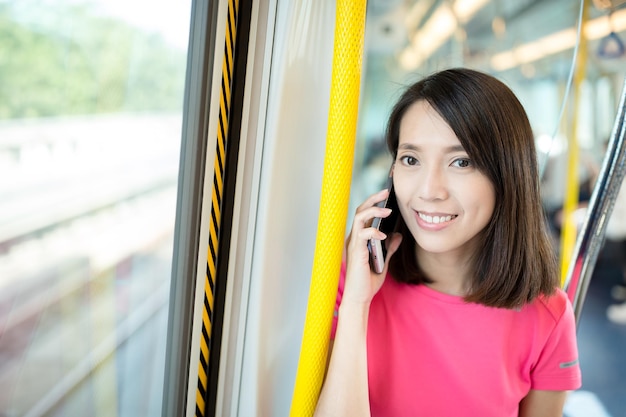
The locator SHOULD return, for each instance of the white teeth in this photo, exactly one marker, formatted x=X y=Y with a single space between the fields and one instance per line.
x=435 y=219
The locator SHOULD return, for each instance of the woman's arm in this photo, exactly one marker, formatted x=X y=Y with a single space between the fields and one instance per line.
x=346 y=390
x=540 y=403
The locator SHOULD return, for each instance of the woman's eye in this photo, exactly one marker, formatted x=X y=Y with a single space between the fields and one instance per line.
x=462 y=163
x=408 y=160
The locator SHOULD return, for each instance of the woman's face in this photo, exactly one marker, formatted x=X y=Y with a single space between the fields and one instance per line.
x=444 y=200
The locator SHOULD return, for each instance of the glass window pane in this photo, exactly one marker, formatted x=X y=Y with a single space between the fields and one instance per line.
x=91 y=97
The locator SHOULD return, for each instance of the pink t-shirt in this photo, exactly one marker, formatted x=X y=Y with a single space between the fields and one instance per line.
x=433 y=354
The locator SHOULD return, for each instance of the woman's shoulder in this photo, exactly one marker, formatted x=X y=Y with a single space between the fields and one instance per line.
x=554 y=305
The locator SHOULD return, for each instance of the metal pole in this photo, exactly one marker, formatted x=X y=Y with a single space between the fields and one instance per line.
x=591 y=237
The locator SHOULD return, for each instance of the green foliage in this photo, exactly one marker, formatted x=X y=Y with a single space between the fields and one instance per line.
x=70 y=61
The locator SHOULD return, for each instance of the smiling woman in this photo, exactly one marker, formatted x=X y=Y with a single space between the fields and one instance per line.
x=469 y=300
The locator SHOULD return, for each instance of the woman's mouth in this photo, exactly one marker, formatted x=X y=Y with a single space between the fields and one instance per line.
x=436 y=218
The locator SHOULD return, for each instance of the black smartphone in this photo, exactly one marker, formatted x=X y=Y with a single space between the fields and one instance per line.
x=387 y=225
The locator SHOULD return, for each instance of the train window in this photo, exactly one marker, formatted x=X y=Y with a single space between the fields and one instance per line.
x=91 y=98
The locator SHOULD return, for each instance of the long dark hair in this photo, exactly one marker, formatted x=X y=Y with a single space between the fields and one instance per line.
x=516 y=261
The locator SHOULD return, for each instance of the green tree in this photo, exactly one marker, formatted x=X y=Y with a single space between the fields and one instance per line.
x=61 y=60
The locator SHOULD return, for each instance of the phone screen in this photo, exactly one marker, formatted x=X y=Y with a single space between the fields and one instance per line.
x=387 y=225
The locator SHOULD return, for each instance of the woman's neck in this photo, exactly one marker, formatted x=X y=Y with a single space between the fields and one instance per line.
x=449 y=274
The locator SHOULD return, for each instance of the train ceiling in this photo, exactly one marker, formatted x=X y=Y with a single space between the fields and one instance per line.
x=532 y=38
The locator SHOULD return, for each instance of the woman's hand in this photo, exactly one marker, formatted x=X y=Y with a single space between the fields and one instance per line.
x=361 y=282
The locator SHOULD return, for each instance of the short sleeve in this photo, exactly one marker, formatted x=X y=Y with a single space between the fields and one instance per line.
x=558 y=368
x=342 y=282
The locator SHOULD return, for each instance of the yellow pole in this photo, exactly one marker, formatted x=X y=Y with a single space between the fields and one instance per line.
x=342 y=124
x=569 y=226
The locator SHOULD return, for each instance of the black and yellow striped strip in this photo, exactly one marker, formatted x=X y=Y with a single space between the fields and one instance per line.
x=219 y=168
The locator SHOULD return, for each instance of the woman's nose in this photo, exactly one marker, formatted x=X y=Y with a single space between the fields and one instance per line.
x=433 y=184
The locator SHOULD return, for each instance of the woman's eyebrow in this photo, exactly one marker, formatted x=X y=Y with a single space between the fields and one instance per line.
x=417 y=148
x=408 y=147
x=455 y=148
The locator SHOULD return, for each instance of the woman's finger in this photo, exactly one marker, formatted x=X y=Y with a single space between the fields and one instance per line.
x=373 y=199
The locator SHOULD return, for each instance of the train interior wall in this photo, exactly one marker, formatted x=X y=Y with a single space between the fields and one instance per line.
x=290 y=187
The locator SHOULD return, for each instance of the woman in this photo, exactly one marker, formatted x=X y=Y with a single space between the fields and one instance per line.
x=466 y=318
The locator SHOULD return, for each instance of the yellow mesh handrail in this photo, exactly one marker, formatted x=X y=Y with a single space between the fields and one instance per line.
x=342 y=124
